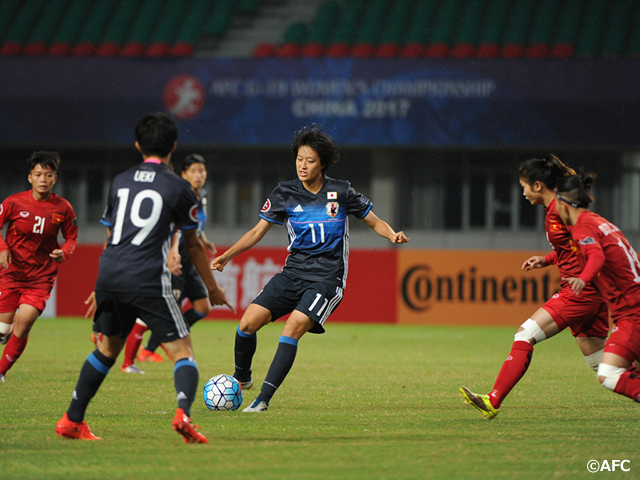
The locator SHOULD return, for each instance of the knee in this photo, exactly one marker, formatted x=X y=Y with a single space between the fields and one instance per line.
x=530 y=332
x=202 y=306
x=608 y=375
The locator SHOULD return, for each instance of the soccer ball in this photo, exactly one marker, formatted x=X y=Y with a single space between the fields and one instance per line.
x=222 y=392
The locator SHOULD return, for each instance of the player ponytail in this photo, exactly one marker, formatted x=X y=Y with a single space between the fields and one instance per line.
x=576 y=190
x=547 y=170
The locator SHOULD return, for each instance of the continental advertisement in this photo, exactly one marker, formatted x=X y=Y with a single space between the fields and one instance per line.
x=479 y=287
x=406 y=286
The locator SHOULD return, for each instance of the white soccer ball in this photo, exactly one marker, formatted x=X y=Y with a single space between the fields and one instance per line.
x=222 y=392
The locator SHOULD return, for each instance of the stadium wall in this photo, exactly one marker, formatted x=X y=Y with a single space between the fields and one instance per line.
x=407 y=286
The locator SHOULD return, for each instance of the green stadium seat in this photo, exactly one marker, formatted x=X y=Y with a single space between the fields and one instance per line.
x=567 y=29
x=634 y=42
x=543 y=29
x=419 y=29
x=67 y=34
x=20 y=29
x=189 y=32
x=248 y=6
x=165 y=32
x=93 y=28
x=491 y=32
x=292 y=40
x=320 y=31
x=518 y=29
x=467 y=37
x=446 y=23
x=9 y=9
x=591 y=36
x=367 y=37
x=118 y=28
x=394 y=32
x=618 y=29
x=220 y=18
x=144 y=21
x=348 y=23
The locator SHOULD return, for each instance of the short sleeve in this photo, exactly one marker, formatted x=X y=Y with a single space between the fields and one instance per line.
x=187 y=209
x=357 y=204
x=274 y=209
x=107 y=215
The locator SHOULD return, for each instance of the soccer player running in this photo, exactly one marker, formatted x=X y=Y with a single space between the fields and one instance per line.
x=612 y=265
x=314 y=209
x=30 y=255
x=188 y=283
x=586 y=316
x=144 y=204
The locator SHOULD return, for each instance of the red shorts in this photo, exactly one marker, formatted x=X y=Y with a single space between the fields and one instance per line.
x=12 y=298
x=586 y=316
x=625 y=338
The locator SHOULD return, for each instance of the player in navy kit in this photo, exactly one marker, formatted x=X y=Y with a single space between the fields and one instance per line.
x=145 y=204
x=188 y=284
x=314 y=208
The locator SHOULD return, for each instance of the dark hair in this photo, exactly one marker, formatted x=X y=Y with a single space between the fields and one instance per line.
x=190 y=160
x=547 y=170
x=46 y=159
x=156 y=134
x=576 y=190
x=322 y=143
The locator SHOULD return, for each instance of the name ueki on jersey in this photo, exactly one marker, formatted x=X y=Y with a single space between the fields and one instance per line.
x=332 y=209
x=144 y=177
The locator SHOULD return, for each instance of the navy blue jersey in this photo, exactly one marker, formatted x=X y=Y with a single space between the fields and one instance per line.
x=145 y=205
x=202 y=218
x=318 y=227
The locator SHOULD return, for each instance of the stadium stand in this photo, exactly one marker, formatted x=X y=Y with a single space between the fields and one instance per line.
x=332 y=28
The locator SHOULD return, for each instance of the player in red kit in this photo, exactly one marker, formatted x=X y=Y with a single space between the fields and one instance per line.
x=586 y=316
x=612 y=265
x=30 y=255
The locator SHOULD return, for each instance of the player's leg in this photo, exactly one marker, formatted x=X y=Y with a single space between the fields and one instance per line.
x=255 y=317
x=6 y=325
x=297 y=325
x=185 y=377
x=616 y=371
x=133 y=345
x=17 y=343
x=95 y=369
x=592 y=349
x=539 y=327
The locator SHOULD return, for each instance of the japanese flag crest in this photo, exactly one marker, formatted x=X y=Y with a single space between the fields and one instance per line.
x=332 y=209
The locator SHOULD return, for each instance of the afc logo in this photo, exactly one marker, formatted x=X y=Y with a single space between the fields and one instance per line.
x=184 y=97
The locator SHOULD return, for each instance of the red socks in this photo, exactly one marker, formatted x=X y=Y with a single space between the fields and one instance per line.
x=628 y=384
x=513 y=369
x=12 y=351
x=133 y=344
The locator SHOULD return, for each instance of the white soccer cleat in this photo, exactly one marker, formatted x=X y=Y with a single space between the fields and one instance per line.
x=132 y=369
x=1 y=378
x=257 y=406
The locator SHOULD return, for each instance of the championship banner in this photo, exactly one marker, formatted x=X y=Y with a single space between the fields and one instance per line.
x=446 y=287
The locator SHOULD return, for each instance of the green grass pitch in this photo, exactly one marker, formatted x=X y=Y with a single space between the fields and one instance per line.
x=361 y=402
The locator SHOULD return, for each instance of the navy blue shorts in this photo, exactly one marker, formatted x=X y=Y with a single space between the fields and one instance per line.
x=116 y=313
x=317 y=300
x=188 y=285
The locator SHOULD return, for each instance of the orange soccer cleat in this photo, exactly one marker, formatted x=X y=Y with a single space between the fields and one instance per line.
x=68 y=429
x=183 y=425
x=148 y=356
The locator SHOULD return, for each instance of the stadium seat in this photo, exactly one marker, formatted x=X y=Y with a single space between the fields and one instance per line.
x=419 y=28
x=220 y=18
x=164 y=33
x=518 y=29
x=312 y=50
x=618 y=29
x=490 y=40
x=467 y=36
x=634 y=42
x=93 y=28
x=20 y=29
x=446 y=22
x=42 y=33
x=567 y=29
x=321 y=28
x=543 y=28
x=68 y=33
x=144 y=21
x=590 y=40
x=263 y=50
x=394 y=31
x=347 y=25
x=118 y=28
x=293 y=38
x=189 y=31
x=367 y=36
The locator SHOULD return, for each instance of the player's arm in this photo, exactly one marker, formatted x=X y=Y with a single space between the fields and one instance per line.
x=247 y=241
x=208 y=244
x=537 y=261
x=383 y=229
x=198 y=256
x=70 y=235
x=5 y=253
x=173 y=258
x=595 y=261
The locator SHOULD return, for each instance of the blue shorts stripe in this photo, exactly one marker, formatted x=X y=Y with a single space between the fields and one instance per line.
x=97 y=364
x=185 y=362
x=289 y=340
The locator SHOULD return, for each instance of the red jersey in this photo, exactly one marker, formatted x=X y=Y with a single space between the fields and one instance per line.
x=564 y=249
x=32 y=234
x=609 y=261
